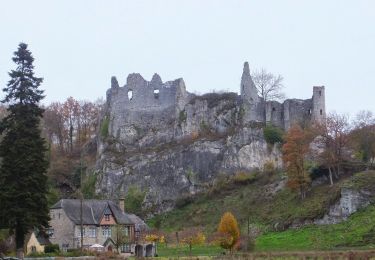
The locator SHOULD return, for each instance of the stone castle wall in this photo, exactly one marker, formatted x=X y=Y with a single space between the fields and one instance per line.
x=142 y=105
x=171 y=143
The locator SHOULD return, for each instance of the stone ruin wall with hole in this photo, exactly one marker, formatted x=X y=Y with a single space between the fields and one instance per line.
x=171 y=143
x=156 y=105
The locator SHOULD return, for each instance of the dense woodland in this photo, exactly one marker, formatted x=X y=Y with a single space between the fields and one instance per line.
x=70 y=128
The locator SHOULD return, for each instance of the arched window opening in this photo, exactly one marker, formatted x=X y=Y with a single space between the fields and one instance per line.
x=130 y=94
x=309 y=111
x=156 y=93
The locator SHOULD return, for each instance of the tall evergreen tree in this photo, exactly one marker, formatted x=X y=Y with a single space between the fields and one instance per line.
x=23 y=180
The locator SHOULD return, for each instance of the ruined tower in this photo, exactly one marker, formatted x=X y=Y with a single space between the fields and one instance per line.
x=249 y=95
x=318 y=104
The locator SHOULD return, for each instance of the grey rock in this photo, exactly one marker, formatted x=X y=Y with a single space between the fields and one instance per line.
x=350 y=202
x=169 y=142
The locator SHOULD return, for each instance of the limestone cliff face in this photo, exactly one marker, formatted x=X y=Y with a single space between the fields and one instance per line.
x=171 y=143
x=350 y=201
x=182 y=153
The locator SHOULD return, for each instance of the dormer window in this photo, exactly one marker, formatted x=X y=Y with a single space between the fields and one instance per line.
x=107 y=214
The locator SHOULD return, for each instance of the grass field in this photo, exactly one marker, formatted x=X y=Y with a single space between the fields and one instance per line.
x=272 y=213
x=357 y=231
x=183 y=250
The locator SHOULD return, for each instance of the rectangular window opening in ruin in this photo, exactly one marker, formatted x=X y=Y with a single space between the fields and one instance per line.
x=320 y=93
x=273 y=109
x=321 y=112
x=130 y=94
x=309 y=111
x=156 y=93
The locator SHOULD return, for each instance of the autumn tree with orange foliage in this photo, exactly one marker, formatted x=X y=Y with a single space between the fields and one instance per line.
x=228 y=231
x=294 y=151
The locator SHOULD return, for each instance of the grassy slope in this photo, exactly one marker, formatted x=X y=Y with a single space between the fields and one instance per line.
x=358 y=230
x=252 y=200
x=267 y=212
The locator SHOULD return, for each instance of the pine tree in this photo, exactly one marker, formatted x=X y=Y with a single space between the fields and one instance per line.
x=23 y=180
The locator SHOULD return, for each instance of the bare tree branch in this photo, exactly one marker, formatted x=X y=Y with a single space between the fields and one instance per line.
x=269 y=85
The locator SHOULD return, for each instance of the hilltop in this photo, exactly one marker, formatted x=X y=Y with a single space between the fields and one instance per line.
x=169 y=143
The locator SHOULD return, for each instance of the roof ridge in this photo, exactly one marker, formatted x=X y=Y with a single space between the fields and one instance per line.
x=92 y=214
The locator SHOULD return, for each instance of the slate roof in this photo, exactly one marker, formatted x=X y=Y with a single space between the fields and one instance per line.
x=140 y=225
x=43 y=240
x=92 y=211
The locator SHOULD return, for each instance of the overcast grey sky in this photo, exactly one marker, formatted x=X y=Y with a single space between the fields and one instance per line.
x=79 y=45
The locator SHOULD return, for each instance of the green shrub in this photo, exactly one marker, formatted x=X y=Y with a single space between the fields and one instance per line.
x=104 y=129
x=213 y=99
x=184 y=201
x=204 y=127
x=220 y=183
x=182 y=116
x=243 y=177
x=53 y=248
x=88 y=185
x=273 y=134
x=134 y=199
x=269 y=167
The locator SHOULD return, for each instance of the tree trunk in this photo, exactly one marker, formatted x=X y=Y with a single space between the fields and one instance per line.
x=335 y=173
x=20 y=241
x=330 y=176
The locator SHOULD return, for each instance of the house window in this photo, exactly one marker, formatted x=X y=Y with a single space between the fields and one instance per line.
x=65 y=247
x=59 y=215
x=126 y=231
x=106 y=217
x=125 y=248
x=33 y=249
x=106 y=231
x=52 y=216
x=91 y=232
x=79 y=232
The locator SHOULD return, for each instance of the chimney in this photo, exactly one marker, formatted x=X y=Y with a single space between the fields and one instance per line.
x=121 y=204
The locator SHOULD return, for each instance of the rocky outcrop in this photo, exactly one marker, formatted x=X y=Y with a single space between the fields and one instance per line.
x=350 y=201
x=169 y=142
x=182 y=169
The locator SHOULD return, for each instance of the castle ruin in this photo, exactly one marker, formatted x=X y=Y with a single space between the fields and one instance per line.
x=169 y=142
x=155 y=105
